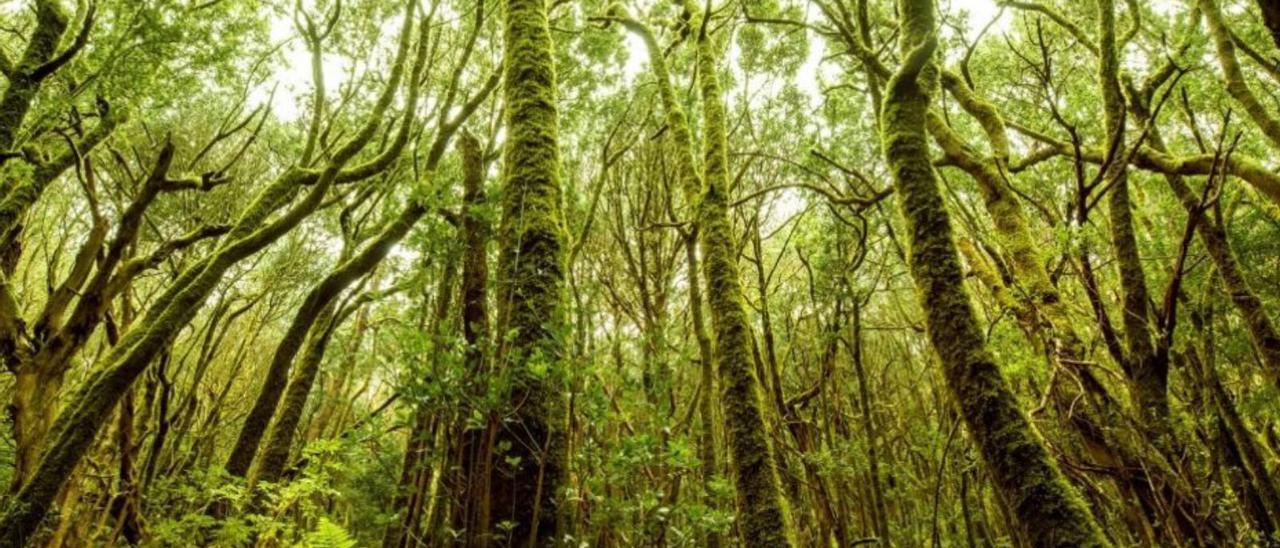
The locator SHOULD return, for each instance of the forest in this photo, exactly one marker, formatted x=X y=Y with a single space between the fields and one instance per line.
x=659 y=273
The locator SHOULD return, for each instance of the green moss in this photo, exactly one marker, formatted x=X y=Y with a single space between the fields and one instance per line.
x=531 y=275
x=762 y=509
x=1233 y=76
x=1048 y=510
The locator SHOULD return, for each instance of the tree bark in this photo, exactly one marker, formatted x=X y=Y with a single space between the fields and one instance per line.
x=1271 y=18
x=526 y=480
x=761 y=509
x=869 y=430
x=470 y=477
x=76 y=428
x=1046 y=507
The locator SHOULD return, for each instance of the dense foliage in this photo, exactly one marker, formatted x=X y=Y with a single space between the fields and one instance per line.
x=639 y=273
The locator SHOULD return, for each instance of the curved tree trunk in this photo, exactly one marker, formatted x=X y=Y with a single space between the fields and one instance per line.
x=77 y=427
x=320 y=298
x=275 y=455
x=1047 y=510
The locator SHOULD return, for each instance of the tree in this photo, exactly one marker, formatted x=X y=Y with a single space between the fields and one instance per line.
x=1048 y=510
x=526 y=483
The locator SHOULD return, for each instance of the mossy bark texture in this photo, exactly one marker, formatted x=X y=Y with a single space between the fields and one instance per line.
x=529 y=475
x=77 y=427
x=1233 y=75
x=1046 y=508
x=306 y=320
x=470 y=481
x=761 y=510
x=1147 y=370
x=25 y=80
x=761 y=507
x=275 y=455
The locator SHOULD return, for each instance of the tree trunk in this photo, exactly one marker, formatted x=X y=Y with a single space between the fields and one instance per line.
x=762 y=515
x=1271 y=18
x=34 y=406
x=527 y=478
x=1046 y=508
x=469 y=476
x=275 y=455
x=321 y=297
x=869 y=430
x=761 y=508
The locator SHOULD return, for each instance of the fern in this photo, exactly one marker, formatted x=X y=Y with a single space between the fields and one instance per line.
x=328 y=535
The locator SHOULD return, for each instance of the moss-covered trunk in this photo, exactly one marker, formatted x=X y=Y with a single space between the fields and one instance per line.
x=1146 y=370
x=1047 y=509
x=469 y=477
x=275 y=455
x=305 y=320
x=32 y=410
x=707 y=453
x=29 y=71
x=1081 y=401
x=1233 y=75
x=761 y=510
x=528 y=476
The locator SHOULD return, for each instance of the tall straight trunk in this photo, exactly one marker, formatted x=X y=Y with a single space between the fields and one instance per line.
x=761 y=507
x=869 y=430
x=706 y=374
x=1145 y=362
x=163 y=418
x=527 y=479
x=469 y=475
x=766 y=326
x=1047 y=509
x=126 y=505
x=761 y=510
